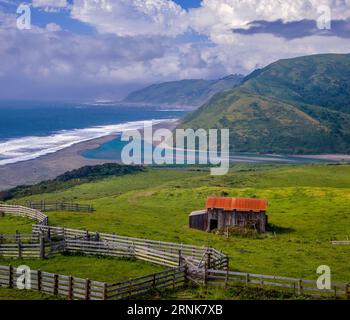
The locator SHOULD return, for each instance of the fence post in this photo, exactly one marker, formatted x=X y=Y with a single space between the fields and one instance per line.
x=295 y=288
x=209 y=260
x=105 y=296
x=180 y=258
x=247 y=280
x=19 y=250
x=55 y=284
x=42 y=247
x=87 y=289
x=154 y=281
x=300 y=287
x=39 y=280
x=205 y=273
x=347 y=291
x=70 y=288
x=10 y=276
x=186 y=271
x=130 y=289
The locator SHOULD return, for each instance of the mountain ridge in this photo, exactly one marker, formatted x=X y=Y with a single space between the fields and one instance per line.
x=188 y=92
x=292 y=106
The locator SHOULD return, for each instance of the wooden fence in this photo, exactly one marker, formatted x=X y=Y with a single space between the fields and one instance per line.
x=291 y=285
x=25 y=212
x=65 y=286
x=341 y=243
x=158 y=252
x=25 y=246
x=60 y=206
x=171 y=279
x=86 y=289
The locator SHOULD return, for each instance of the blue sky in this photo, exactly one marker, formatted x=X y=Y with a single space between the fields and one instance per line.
x=84 y=49
x=186 y=4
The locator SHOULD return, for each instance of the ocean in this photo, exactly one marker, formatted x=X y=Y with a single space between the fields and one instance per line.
x=29 y=130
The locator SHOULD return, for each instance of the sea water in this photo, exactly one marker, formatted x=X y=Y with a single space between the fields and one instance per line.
x=29 y=130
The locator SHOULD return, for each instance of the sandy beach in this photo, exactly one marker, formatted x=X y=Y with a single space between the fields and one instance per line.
x=51 y=165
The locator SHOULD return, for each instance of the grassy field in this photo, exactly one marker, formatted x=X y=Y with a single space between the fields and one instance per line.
x=308 y=206
x=11 y=224
x=102 y=269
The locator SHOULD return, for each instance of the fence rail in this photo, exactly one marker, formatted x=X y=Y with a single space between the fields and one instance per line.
x=293 y=285
x=342 y=243
x=75 y=288
x=55 y=284
x=60 y=206
x=163 y=253
x=29 y=246
x=24 y=212
x=171 y=278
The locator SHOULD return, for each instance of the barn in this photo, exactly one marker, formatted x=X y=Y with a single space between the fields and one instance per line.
x=231 y=212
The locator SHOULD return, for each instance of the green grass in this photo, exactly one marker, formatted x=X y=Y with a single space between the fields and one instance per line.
x=14 y=294
x=104 y=269
x=308 y=206
x=11 y=224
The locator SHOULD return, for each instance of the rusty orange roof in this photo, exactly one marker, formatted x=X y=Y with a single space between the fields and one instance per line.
x=239 y=204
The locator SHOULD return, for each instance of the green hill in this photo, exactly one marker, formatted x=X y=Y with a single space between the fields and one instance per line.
x=184 y=93
x=299 y=105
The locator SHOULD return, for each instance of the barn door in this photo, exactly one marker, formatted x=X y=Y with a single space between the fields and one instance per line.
x=213 y=224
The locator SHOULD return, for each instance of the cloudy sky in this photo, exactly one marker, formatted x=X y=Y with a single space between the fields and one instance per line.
x=103 y=49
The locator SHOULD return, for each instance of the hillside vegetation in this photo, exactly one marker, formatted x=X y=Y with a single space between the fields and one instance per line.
x=294 y=106
x=70 y=179
x=183 y=93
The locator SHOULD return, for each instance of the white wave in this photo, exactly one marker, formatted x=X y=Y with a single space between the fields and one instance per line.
x=32 y=147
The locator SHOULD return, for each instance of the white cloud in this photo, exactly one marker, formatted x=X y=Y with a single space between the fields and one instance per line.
x=214 y=18
x=132 y=17
x=50 y=3
x=217 y=18
x=142 y=48
x=53 y=27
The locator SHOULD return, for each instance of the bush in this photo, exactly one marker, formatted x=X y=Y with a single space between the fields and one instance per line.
x=72 y=178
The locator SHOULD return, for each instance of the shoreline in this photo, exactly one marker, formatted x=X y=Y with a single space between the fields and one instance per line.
x=51 y=165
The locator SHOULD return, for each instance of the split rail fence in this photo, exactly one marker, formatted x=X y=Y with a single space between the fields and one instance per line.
x=158 y=252
x=295 y=286
x=22 y=211
x=342 y=243
x=75 y=288
x=60 y=206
